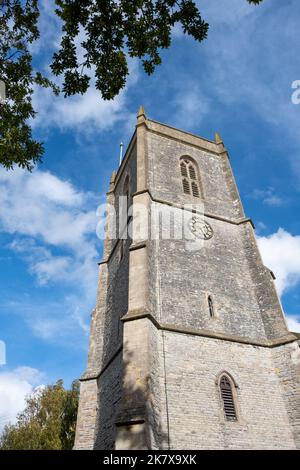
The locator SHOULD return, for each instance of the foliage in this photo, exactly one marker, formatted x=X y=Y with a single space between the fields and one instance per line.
x=18 y=29
x=111 y=31
x=48 y=421
x=140 y=28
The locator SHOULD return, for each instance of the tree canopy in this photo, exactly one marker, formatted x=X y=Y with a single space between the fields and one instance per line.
x=48 y=421
x=113 y=30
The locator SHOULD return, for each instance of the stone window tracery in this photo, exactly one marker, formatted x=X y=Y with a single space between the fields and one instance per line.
x=190 y=177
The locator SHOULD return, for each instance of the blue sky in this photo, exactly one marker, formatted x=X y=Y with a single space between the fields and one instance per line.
x=239 y=83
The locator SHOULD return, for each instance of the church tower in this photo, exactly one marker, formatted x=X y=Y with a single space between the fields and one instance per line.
x=189 y=348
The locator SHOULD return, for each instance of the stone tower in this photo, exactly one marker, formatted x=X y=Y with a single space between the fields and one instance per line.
x=189 y=348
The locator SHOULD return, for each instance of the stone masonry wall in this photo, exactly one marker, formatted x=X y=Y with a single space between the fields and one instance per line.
x=183 y=280
x=215 y=176
x=165 y=382
x=228 y=267
x=109 y=396
x=87 y=416
x=97 y=427
x=287 y=362
x=196 y=418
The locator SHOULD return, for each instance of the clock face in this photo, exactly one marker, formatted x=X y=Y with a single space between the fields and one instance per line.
x=200 y=228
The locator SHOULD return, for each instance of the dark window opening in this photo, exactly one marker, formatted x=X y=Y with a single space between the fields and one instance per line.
x=192 y=172
x=183 y=169
x=190 y=177
x=227 y=397
x=211 y=306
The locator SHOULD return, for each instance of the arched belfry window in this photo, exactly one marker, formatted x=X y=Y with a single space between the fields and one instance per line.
x=226 y=390
x=190 y=177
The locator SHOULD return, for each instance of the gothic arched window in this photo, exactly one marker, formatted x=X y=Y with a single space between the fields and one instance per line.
x=226 y=390
x=190 y=177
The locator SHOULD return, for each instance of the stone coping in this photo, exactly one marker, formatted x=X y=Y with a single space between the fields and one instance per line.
x=137 y=315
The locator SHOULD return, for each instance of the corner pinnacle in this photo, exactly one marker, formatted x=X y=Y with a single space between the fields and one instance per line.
x=112 y=181
x=113 y=177
x=218 y=138
x=141 y=113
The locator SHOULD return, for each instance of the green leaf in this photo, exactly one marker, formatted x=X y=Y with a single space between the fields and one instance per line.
x=48 y=421
x=112 y=30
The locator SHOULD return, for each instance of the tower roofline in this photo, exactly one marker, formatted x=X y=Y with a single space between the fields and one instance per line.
x=182 y=131
x=189 y=138
x=142 y=117
x=185 y=137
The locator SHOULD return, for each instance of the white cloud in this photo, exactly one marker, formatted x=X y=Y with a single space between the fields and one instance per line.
x=268 y=197
x=281 y=253
x=220 y=12
x=52 y=268
x=293 y=323
x=45 y=185
x=273 y=201
x=53 y=227
x=15 y=385
x=232 y=69
x=38 y=204
x=49 y=25
x=191 y=106
x=86 y=113
x=260 y=227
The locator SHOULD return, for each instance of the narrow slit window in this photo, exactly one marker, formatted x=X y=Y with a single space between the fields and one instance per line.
x=227 y=398
x=211 y=306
